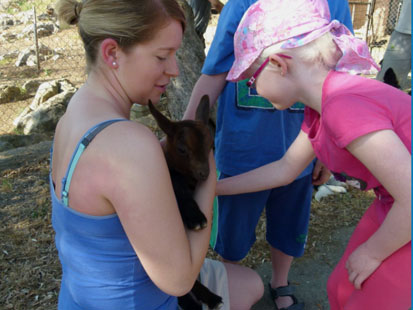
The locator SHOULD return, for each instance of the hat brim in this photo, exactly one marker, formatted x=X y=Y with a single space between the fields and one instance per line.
x=240 y=66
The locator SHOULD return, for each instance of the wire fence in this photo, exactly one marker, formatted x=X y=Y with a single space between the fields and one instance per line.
x=34 y=48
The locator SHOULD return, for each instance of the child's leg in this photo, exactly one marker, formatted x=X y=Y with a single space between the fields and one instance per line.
x=288 y=213
x=388 y=288
x=238 y=216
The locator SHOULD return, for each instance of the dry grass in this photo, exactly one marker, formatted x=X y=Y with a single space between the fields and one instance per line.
x=333 y=212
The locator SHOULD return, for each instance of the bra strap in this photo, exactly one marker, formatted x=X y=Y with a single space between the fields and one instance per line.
x=81 y=146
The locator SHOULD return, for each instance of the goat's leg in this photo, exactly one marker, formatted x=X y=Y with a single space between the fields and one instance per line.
x=192 y=216
x=189 y=302
x=203 y=294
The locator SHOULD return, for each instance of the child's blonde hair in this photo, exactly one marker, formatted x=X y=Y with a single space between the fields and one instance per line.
x=322 y=51
x=128 y=22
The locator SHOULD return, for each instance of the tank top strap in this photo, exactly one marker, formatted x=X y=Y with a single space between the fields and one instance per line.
x=81 y=146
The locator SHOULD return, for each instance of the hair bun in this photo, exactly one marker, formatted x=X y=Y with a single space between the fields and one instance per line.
x=77 y=9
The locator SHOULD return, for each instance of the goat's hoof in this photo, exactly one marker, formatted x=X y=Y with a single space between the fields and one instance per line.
x=215 y=304
x=195 y=221
x=199 y=225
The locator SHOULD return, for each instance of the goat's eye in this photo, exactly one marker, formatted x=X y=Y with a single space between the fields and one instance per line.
x=181 y=150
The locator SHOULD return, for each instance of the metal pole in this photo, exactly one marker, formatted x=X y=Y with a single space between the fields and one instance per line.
x=36 y=43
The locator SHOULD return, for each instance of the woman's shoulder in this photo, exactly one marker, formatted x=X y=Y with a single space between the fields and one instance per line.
x=129 y=138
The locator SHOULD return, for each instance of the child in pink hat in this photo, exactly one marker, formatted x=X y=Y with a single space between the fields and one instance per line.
x=358 y=127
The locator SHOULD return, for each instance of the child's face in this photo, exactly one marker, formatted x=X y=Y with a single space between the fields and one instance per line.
x=276 y=87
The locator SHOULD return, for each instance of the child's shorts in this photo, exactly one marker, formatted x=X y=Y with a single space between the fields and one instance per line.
x=287 y=213
x=214 y=276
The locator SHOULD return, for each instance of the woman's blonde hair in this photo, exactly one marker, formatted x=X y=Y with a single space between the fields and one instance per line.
x=322 y=51
x=128 y=22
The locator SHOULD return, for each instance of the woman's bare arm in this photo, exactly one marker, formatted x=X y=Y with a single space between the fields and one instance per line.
x=142 y=195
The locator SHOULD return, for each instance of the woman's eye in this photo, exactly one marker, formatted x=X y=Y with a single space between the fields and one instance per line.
x=161 y=58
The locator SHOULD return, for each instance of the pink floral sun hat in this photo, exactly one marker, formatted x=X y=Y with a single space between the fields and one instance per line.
x=297 y=22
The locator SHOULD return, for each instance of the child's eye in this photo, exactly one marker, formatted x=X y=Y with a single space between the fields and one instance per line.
x=161 y=58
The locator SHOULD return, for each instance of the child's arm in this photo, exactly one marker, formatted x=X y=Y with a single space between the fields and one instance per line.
x=388 y=159
x=275 y=174
x=211 y=85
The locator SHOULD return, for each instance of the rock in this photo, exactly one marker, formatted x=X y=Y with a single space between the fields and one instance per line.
x=9 y=93
x=28 y=55
x=23 y=56
x=47 y=107
x=31 y=86
x=10 y=55
x=44 y=92
x=32 y=60
x=43 y=30
x=4 y=4
x=190 y=58
x=25 y=17
x=6 y=20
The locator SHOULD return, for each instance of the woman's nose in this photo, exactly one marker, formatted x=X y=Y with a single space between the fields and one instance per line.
x=172 y=68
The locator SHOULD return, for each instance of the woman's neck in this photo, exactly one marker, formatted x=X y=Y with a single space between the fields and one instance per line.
x=104 y=85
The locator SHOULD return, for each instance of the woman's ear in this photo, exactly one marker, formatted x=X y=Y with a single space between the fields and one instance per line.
x=280 y=62
x=109 y=50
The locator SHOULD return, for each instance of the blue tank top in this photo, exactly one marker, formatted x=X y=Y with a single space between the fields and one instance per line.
x=100 y=269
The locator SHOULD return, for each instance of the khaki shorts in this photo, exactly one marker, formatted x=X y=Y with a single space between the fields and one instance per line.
x=214 y=276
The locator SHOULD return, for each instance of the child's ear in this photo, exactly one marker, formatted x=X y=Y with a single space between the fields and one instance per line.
x=109 y=50
x=280 y=62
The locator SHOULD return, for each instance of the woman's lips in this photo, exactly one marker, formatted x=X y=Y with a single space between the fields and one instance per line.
x=162 y=87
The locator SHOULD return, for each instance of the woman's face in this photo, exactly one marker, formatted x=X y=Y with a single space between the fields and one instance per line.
x=146 y=69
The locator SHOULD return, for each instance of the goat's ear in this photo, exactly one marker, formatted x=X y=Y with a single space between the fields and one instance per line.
x=163 y=122
x=202 y=112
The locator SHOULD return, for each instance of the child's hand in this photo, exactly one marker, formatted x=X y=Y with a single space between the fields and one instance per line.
x=360 y=265
x=320 y=173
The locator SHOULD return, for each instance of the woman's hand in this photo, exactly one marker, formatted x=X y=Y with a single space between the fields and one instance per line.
x=360 y=265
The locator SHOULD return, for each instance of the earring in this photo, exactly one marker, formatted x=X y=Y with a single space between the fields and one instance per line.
x=114 y=64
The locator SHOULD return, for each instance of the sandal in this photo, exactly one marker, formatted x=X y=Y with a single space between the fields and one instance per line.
x=285 y=291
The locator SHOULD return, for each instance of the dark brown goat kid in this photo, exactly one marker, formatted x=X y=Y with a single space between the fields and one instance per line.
x=187 y=148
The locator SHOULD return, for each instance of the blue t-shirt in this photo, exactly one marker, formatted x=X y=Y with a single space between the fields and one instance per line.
x=250 y=131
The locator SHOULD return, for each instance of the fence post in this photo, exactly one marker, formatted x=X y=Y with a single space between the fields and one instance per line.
x=36 y=43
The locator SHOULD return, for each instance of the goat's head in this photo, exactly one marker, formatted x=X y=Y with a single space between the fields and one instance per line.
x=188 y=142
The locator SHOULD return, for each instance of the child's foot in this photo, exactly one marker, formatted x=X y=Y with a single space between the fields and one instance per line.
x=284 y=302
x=284 y=298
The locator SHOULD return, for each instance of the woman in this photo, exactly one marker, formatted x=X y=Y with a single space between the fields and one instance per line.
x=119 y=234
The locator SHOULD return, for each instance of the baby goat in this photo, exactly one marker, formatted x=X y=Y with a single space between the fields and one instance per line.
x=187 y=148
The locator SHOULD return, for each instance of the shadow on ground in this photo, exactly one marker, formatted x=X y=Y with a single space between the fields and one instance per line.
x=309 y=274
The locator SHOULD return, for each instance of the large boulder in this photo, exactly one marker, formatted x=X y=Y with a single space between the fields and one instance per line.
x=48 y=105
x=190 y=58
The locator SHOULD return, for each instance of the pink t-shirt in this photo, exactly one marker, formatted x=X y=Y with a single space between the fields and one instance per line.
x=353 y=106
